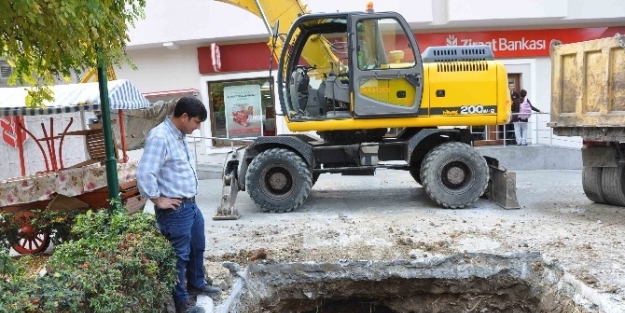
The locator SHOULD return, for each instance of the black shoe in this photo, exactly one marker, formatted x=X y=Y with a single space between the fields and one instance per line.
x=206 y=289
x=186 y=307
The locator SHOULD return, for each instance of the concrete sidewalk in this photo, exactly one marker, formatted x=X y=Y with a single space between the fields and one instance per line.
x=210 y=166
x=515 y=158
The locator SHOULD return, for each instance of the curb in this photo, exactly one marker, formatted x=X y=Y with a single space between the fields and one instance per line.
x=209 y=171
x=205 y=302
x=514 y=158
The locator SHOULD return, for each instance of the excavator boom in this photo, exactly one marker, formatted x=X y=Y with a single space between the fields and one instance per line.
x=283 y=13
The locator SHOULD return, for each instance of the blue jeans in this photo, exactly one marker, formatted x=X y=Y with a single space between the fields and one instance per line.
x=184 y=228
x=520 y=132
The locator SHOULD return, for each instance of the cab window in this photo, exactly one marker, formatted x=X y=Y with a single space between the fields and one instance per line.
x=382 y=44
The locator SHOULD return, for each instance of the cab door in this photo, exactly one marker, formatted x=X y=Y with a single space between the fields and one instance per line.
x=385 y=66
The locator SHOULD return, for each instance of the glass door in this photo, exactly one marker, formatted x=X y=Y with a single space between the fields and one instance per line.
x=241 y=109
x=386 y=67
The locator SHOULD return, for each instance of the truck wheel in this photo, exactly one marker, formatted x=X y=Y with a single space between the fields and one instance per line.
x=278 y=180
x=416 y=174
x=591 y=182
x=454 y=175
x=612 y=184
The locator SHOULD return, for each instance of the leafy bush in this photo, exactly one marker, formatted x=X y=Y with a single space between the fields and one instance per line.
x=114 y=262
x=8 y=232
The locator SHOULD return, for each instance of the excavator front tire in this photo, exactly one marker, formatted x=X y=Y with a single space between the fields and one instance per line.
x=278 y=180
x=454 y=175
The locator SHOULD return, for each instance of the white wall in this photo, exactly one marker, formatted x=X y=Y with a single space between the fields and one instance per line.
x=186 y=22
x=417 y=11
x=536 y=79
x=192 y=21
x=484 y=10
x=73 y=146
x=189 y=20
x=162 y=69
x=596 y=9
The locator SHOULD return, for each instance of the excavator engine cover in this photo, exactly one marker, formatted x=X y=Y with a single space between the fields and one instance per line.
x=457 y=54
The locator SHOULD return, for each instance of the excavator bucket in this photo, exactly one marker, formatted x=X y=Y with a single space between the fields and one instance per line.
x=230 y=189
x=501 y=185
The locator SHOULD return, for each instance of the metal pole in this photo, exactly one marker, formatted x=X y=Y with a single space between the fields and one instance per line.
x=122 y=135
x=110 y=161
x=18 y=120
x=550 y=136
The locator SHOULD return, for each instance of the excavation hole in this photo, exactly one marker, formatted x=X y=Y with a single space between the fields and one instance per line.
x=461 y=283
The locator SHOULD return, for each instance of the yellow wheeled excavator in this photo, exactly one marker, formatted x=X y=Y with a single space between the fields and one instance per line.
x=349 y=77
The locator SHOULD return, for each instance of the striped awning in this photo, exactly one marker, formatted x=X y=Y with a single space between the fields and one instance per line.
x=73 y=98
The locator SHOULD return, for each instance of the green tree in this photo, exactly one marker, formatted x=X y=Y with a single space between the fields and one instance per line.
x=46 y=39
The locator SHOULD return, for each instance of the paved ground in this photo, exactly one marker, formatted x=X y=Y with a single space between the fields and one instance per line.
x=388 y=216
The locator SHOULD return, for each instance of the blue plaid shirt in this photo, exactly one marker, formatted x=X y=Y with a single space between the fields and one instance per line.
x=167 y=167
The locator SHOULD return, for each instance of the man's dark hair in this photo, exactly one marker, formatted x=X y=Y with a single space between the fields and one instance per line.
x=523 y=93
x=192 y=106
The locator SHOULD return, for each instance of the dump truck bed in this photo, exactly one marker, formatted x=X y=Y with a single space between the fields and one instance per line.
x=588 y=88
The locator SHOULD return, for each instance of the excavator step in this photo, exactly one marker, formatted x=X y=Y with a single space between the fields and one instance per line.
x=230 y=189
x=501 y=185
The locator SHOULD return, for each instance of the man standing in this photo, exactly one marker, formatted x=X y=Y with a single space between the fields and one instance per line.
x=509 y=128
x=167 y=176
x=513 y=94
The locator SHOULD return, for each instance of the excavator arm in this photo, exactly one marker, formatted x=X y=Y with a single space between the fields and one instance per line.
x=280 y=13
x=283 y=13
x=92 y=75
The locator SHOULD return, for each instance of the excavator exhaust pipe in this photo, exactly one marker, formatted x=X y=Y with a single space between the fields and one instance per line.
x=501 y=185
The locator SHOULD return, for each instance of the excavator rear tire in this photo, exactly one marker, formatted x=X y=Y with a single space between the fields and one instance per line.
x=416 y=174
x=613 y=183
x=454 y=175
x=591 y=182
x=278 y=180
x=315 y=177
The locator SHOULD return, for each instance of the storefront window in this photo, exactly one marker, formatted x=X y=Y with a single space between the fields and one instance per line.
x=241 y=109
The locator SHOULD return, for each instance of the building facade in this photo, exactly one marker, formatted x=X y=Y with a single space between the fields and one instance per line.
x=216 y=50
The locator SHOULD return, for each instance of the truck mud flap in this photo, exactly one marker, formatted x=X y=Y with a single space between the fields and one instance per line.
x=230 y=189
x=501 y=185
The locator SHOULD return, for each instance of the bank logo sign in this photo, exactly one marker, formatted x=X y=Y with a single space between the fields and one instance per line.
x=500 y=44
x=452 y=40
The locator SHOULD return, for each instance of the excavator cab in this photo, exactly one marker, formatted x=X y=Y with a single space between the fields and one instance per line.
x=350 y=66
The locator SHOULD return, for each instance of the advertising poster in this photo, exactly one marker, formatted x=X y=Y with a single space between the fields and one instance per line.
x=243 y=111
